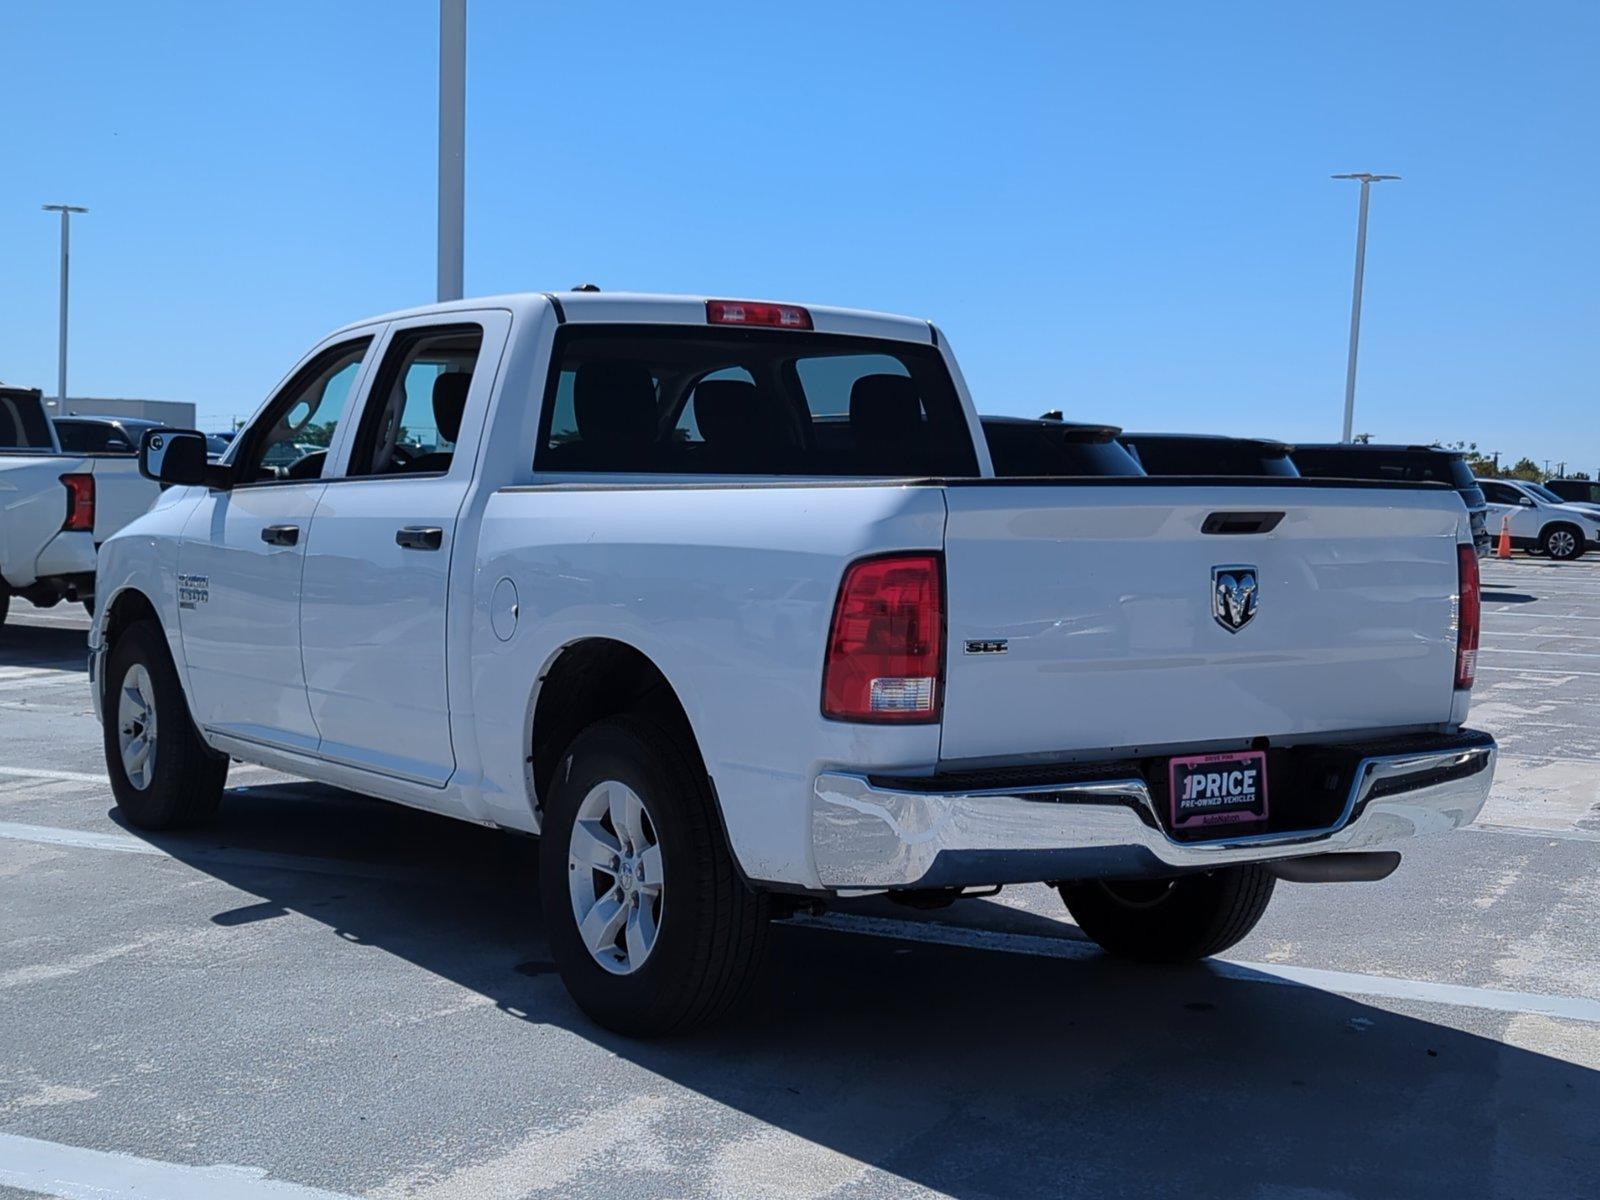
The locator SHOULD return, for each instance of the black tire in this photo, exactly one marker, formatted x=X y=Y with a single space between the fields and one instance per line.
x=186 y=781
x=712 y=930
x=1173 y=920
x=1562 y=543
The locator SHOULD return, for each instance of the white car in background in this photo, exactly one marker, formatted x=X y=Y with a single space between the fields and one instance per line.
x=1539 y=519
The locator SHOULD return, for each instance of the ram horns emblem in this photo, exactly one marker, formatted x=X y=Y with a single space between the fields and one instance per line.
x=1235 y=596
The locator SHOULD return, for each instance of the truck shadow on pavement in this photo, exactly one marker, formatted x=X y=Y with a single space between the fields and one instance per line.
x=61 y=648
x=967 y=1072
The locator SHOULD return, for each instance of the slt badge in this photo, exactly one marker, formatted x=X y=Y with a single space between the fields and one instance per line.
x=1235 y=596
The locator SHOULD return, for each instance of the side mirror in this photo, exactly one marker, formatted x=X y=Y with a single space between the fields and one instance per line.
x=175 y=456
x=1525 y=501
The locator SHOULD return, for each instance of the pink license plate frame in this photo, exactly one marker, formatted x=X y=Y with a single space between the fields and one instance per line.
x=1207 y=790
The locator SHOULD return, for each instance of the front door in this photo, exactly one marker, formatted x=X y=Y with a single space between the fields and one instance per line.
x=378 y=562
x=241 y=557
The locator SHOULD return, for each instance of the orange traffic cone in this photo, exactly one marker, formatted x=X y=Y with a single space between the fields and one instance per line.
x=1503 y=550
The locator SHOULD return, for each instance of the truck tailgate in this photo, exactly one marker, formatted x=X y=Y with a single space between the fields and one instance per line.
x=1088 y=609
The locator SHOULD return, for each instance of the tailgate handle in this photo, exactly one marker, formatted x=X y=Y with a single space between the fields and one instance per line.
x=1241 y=522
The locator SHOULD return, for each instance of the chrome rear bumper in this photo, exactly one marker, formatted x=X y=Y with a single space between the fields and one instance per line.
x=866 y=836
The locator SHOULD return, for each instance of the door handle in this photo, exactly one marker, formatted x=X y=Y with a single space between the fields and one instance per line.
x=420 y=537
x=280 y=535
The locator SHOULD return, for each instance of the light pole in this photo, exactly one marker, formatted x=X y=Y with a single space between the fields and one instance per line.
x=66 y=211
x=452 y=144
x=1367 y=180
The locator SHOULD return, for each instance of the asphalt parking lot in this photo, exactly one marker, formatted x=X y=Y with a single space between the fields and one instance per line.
x=324 y=996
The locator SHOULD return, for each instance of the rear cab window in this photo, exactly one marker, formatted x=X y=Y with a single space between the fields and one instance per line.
x=671 y=400
x=23 y=422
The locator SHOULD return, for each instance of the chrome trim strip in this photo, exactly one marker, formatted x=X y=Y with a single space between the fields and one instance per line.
x=866 y=837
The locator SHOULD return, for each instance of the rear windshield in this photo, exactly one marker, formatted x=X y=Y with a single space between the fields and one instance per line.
x=1026 y=449
x=677 y=401
x=1400 y=465
x=92 y=437
x=23 y=423
x=1204 y=456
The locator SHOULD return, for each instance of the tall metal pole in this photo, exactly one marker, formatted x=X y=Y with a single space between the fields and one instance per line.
x=1367 y=180
x=66 y=211
x=452 y=145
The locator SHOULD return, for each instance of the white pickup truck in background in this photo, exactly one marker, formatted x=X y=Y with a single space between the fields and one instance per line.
x=56 y=508
x=725 y=601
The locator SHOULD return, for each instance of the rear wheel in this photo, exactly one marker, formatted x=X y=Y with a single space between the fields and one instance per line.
x=162 y=774
x=650 y=925
x=1181 y=919
x=1562 y=542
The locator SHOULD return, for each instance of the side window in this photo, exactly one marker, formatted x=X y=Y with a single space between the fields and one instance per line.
x=1499 y=493
x=290 y=440
x=414 y=407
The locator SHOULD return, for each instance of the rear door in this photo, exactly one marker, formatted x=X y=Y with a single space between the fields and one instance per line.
x=1088 y=618
x=240 y=561
x=377 y=573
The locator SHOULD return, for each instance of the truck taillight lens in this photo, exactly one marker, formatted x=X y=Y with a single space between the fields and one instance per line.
x=1469 y=617
x=80 y=503
x=886 y=645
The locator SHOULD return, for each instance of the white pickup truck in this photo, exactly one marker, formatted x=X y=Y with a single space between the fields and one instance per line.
x=724 y=600
x=56 y=508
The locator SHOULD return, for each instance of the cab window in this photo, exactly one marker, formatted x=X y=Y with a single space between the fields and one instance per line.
x=290 y=441
x=418 y=397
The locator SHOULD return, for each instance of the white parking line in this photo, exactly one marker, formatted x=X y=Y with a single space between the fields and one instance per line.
x=1567 y=637
x=1544 y=653
x=1344 y=982
x=75 y=1173
x=1572 y=1008
x=200 y=852
x=1533 y=616
x=1534 y=671
x=100 y=776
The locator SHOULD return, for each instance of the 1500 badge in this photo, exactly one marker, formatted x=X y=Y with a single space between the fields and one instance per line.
x=193 y=590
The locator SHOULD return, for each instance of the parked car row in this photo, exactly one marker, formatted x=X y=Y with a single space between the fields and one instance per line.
x=1560 y=519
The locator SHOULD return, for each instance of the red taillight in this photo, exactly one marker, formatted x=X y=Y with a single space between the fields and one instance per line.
x=1469 y=617
x=749 y=312
x=80 y=503
x=886 y=646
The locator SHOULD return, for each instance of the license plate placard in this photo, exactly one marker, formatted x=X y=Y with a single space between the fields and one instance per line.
x=1218 y=789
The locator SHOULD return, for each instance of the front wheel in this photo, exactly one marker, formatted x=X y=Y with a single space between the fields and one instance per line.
x=1563 y=543
x=1181 y=919
x=650 y=925
x=162 y=774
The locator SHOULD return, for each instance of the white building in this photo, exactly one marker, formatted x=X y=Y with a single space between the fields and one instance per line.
x=177 y=414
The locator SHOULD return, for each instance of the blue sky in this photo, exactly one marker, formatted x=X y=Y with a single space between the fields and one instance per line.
x=1123 y=211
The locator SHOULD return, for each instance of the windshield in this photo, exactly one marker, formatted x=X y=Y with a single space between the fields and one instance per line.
x=1544 y=493
x=1160 y=455
x=1032 y=449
